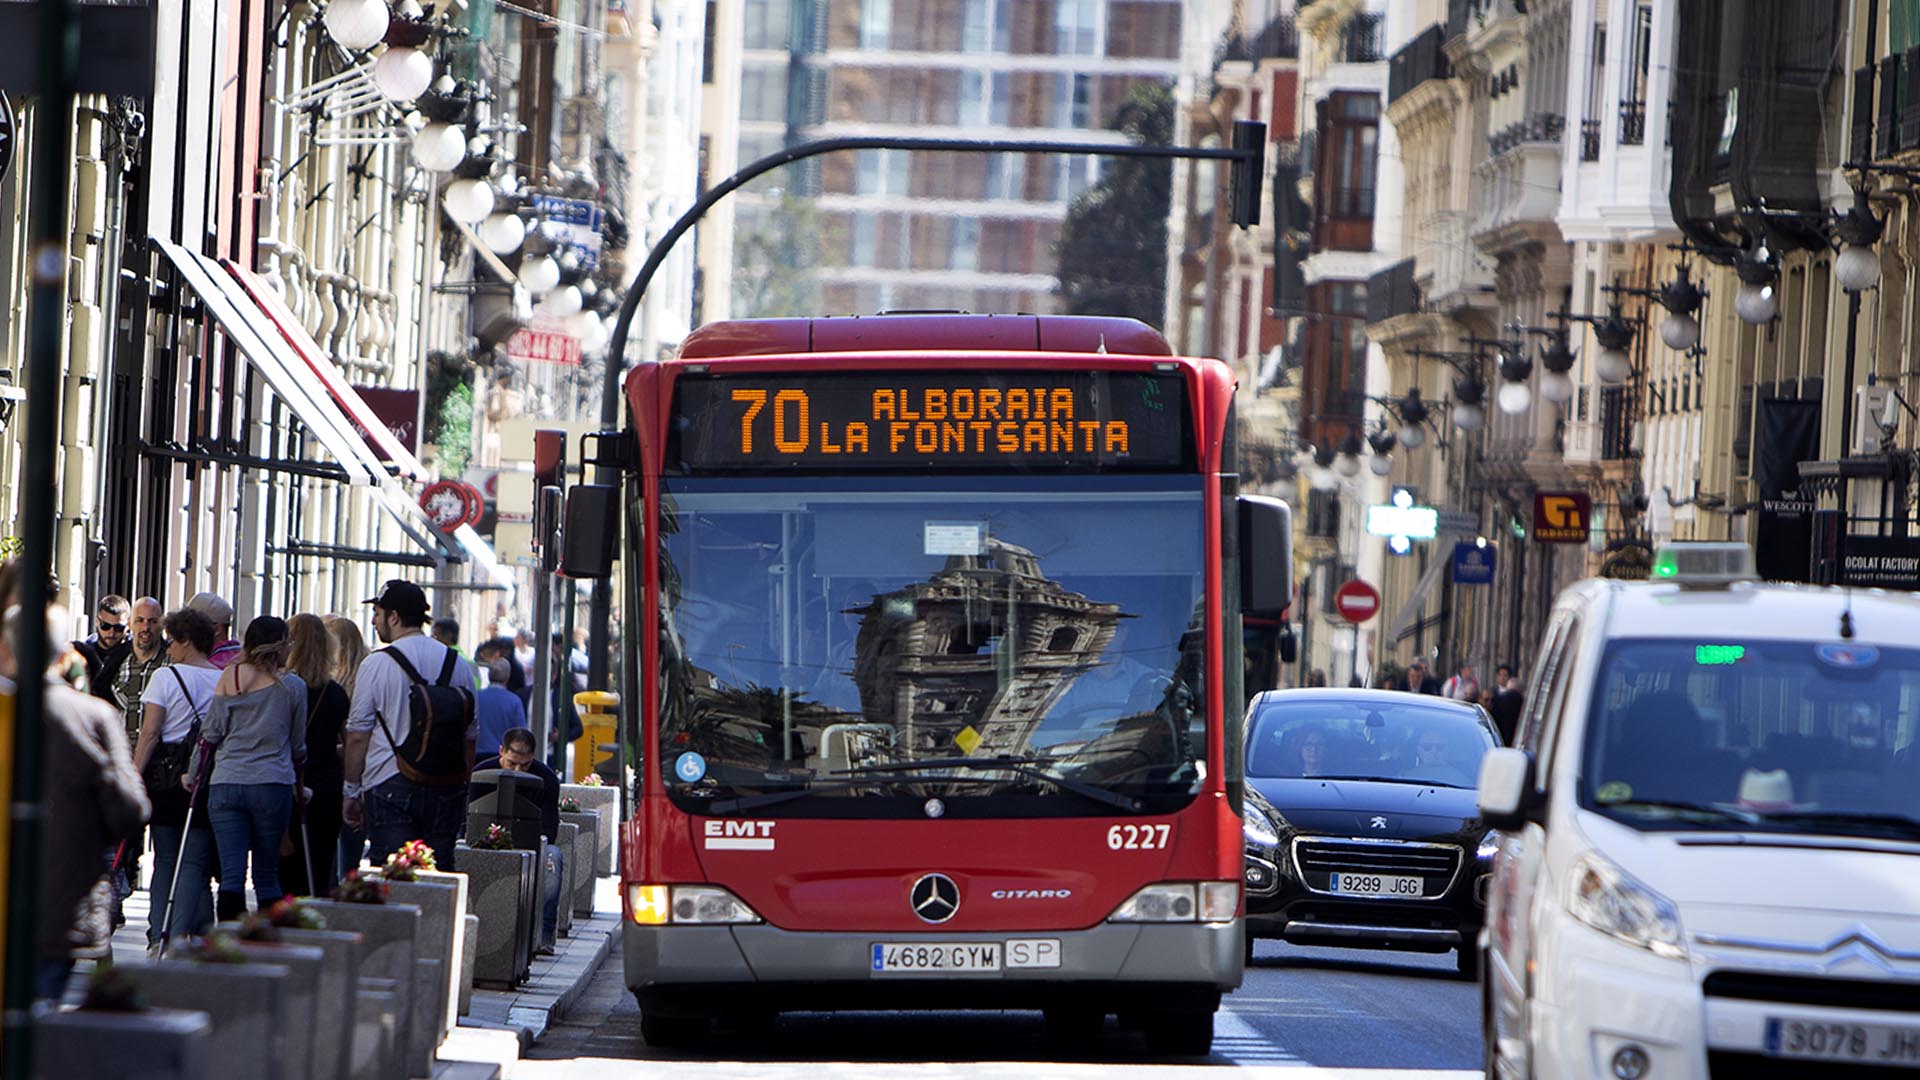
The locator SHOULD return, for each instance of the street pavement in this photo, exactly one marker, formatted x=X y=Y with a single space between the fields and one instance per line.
x=1303 y=1014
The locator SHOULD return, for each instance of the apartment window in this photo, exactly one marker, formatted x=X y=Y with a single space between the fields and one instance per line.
x=1076 y=27
x=975 y=29
x=1354 y=143
x=1076 y=175
x=764 y=25
x=881 y=172
x=706 y=44
x=1006 y=176
x=998 y=101
x=1633 y=91
x=865 y=229
x=876 y=23
x=763 y=94
x=1002 y=25
x=1596 y=96
x=1082 y=110
x=966 y=244
x=973 y=99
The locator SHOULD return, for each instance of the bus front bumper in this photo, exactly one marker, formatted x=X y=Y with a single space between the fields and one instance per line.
x=1117 y=966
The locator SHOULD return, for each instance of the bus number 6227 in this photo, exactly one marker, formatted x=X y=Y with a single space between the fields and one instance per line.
x=1137 y=837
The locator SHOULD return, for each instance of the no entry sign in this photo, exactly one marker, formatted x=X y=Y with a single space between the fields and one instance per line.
x=1356 y=601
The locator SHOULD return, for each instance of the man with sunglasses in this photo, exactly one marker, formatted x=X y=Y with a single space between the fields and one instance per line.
x=106 y=647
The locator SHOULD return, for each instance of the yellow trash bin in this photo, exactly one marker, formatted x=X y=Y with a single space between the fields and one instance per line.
x=598 y=747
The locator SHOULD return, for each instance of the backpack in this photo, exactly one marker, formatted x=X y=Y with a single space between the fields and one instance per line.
x=440 y=714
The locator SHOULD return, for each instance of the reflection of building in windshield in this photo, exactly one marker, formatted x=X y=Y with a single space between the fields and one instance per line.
x=972 y=659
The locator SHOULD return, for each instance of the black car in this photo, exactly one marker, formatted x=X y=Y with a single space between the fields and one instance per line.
x=1361 y=827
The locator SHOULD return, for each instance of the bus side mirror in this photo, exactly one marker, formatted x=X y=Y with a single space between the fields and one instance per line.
x=1266 y=554
x=591 y=533
x=1506 y=795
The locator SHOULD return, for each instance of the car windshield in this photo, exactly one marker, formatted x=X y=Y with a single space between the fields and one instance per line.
x=1405 y=740
x=873 y=642
x=1788 y=736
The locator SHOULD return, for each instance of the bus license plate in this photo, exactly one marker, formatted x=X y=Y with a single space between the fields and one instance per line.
x=1376 y=885
x=927 y=957
x=1872 y=1044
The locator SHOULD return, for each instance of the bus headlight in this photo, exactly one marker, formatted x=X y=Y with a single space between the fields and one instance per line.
x=1206 y=901
x=687 y=905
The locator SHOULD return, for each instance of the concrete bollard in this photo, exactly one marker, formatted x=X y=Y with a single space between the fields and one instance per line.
x=441 y=903
x=305 y=968
x=389 y=944
x=377 y=1009
x=156 y=1044
x=334 y=1015
x=604 y=803
x=570 y=851
x=246 y=1003
x=470 y=937
x=588 y=852
x=500 y=892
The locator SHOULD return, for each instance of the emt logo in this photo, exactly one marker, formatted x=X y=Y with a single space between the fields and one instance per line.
x=739 y=836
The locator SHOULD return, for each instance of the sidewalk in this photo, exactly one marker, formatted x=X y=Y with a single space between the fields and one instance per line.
x=502 y=1024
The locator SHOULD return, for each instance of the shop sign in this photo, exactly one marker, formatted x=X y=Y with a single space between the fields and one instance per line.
x=544 y=342
x=1473 y=564
x=397 y=410
x=1561 y=517
x=573 y=222
x=1880 y=562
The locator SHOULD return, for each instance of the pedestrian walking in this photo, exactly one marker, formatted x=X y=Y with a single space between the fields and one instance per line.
x=311 y=651
x=1419 y=681
x=1461 y=685
x=225 y=649
x=256 y=732
x=146 y=654
x=175 y=703
x=106 y=647
x=496 y=709
x=410 y=732
x=349 y=652
x=1508 y=702
x=95 y=800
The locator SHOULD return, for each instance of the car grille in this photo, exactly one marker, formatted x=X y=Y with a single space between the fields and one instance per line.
x=1814 y=990
x=1436 y=864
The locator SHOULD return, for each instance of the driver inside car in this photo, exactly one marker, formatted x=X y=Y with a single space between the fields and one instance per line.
x=1433 y=761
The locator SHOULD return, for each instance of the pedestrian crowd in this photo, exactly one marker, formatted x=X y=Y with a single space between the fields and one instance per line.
x=283 y=758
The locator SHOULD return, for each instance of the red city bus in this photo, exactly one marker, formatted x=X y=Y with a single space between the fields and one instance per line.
x=939 y=692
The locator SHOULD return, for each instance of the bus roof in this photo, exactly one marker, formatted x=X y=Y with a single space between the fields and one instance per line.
x=923 y=332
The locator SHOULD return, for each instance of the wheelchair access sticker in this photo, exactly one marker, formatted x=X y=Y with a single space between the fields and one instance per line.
x=690 y=767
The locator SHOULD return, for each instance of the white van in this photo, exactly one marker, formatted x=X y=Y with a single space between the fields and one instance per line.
x=1709 y=852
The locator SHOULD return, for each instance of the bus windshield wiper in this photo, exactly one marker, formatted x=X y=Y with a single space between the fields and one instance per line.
x=774 y=798
x=1904 y=827
x=1019 y=766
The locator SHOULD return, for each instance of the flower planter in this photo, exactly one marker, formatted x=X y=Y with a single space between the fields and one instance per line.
x=570 y=851
x=389 y=945
x=339 y=981
x=470 y=941
x=306 y=967
x=501 y=891
x=167 y=1044
x=377 y=1009
x=550 y=874
x=580 y=865
x=442 y=903
x=604 y=803
x=246 y=1004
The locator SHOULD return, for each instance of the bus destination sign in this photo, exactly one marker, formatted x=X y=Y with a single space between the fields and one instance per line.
x=1071 y=420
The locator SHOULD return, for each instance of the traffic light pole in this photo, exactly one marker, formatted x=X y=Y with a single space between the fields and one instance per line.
x=58 y=48
x=1246 y=155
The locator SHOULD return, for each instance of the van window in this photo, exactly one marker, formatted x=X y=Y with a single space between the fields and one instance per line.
x=1536 y=732
x=1791 y=736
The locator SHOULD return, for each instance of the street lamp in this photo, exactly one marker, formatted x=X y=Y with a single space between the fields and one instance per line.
x=1347 y=464
x=1858 y=266
x=1321 y=475
x=1382 y=443
x=1514 y=396
x=1556 y=360
x=356 y=25
x=1755 y=303
x=1468 y=413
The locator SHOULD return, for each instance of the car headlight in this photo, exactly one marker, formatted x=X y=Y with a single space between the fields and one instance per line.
x=1489 y=845
x=1611 y=901
x=1259 y=830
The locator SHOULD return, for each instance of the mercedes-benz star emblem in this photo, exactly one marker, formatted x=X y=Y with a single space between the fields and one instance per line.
x=935 y=808
x=935 y=898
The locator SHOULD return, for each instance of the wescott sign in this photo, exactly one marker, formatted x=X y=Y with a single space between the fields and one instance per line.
x=1073 y=420
x=1881 y=562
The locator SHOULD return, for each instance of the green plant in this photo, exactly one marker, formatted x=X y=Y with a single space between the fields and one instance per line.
x=569 y=806
x=219 y=947
x=449 y=410
x=496 y=839
x=109 y=990
x=593 y=779
x=360 y=887
x=292 y=914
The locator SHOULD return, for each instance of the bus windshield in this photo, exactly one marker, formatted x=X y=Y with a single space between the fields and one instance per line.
x=858 y=647
x=1794 y=736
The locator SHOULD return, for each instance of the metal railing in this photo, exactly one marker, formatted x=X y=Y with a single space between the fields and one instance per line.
x=1589 y=140
x=1278 y=40
x=1633 y=123
x=1418 y=61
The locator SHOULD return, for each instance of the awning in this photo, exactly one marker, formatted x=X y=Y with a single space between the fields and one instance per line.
x=1403 y=620
x=298 y=370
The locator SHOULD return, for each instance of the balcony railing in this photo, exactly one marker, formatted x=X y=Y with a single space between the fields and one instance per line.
x=1589 y=140
x=1540 y=127
x=1418 y=61
x=1364 y=40
x=1392 y=292
x=1278 y=40
x=1633 y=123
x=1616 y=424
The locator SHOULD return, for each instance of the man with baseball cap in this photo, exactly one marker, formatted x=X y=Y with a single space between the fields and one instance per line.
x=392 y=808
x=225 y=650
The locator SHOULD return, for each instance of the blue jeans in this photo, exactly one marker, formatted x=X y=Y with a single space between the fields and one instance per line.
x=353 y=848
x=192 y=908
x=552 y=885
x=249 y=819
x=400 y=810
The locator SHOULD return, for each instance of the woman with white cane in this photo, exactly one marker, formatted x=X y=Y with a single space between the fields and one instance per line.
x=180 y=893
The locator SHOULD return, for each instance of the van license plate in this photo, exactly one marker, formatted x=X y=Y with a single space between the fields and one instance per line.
x=1872 y=1044
x=1377 y=885
x=927 y=957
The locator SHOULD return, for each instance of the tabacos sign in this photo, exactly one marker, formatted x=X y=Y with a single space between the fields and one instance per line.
x=1562 y=517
